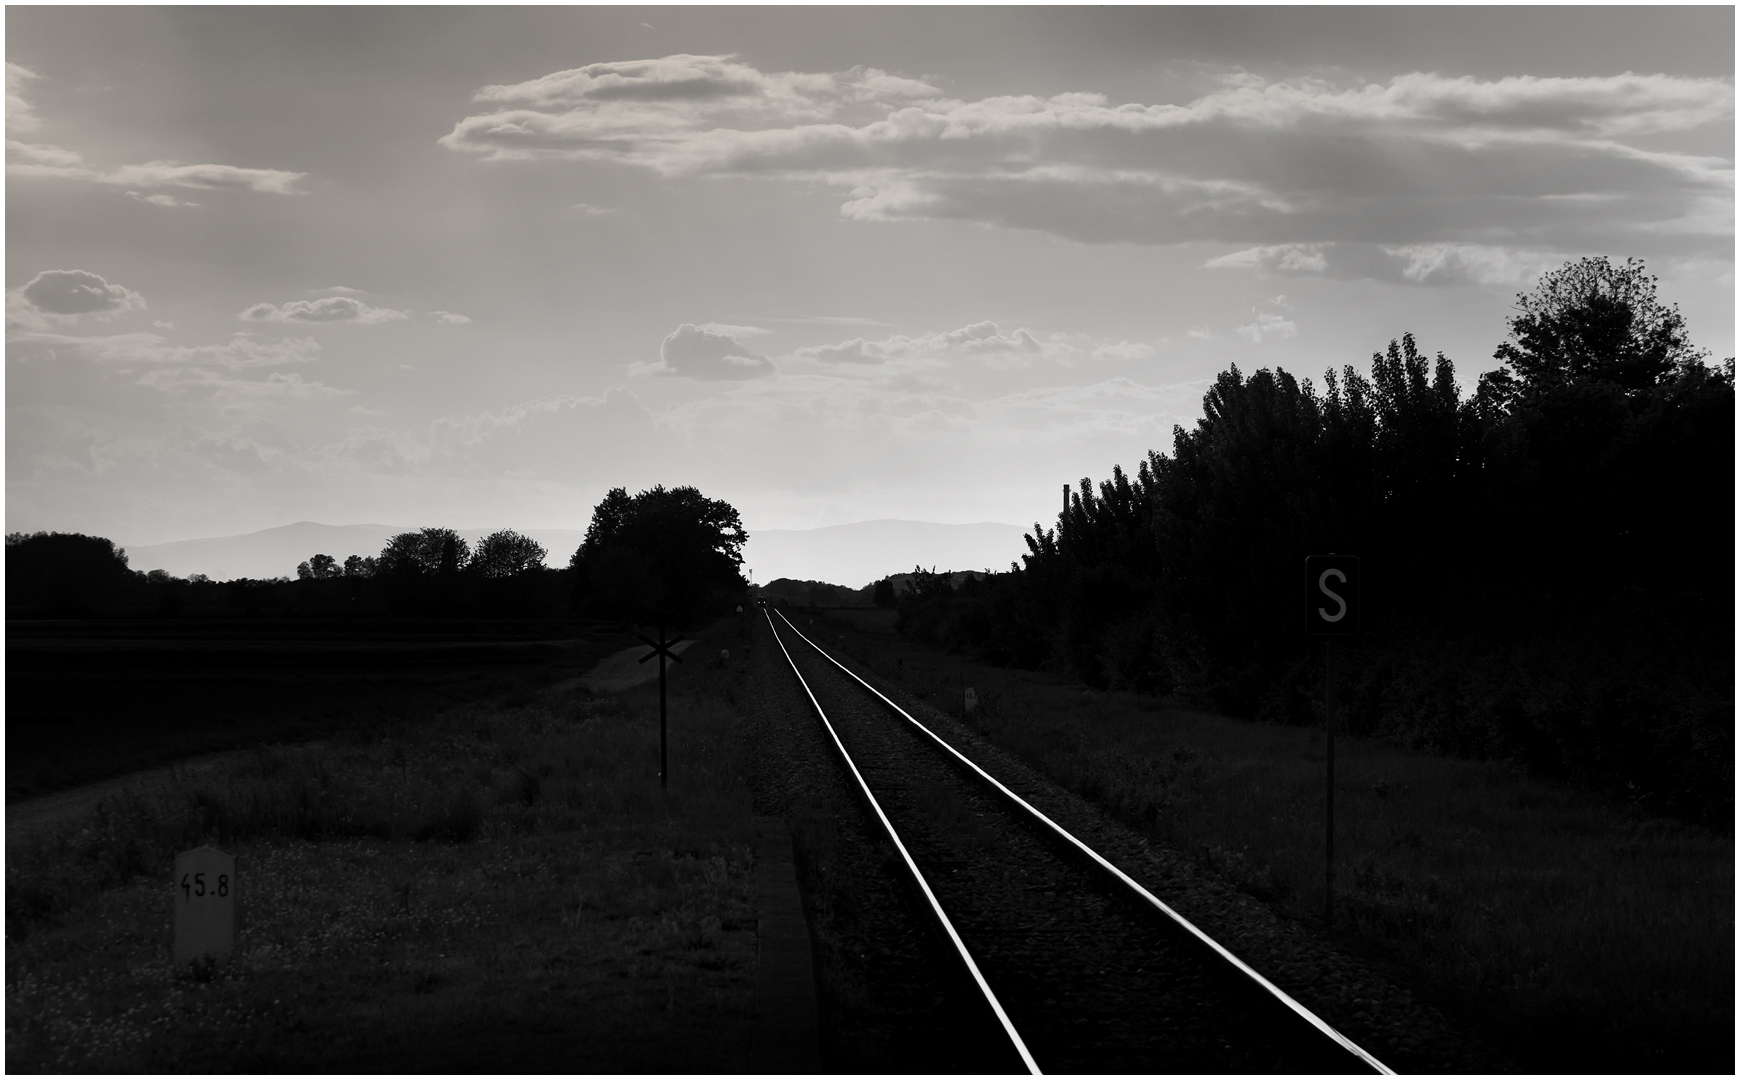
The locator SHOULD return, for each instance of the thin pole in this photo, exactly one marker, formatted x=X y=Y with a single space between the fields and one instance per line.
x=1329 y=792
x=661 y=707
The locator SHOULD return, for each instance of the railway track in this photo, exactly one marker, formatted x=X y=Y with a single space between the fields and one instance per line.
x=1072 y=965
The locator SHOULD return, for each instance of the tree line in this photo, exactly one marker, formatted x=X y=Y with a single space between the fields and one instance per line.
x=670 y=554
x=1547 y=562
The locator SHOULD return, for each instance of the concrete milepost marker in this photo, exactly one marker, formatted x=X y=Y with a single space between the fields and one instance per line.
x=1332 y=610
x=205 y=905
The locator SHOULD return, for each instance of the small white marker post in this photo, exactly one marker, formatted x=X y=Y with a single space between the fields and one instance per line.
x=971 y=705
x=205 y=905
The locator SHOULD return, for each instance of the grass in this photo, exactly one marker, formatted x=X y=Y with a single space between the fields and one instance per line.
x=88 y=700
x=1571 y=934
x=499 y=886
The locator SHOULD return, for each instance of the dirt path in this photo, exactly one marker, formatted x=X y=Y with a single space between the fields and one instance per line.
x=33 y=817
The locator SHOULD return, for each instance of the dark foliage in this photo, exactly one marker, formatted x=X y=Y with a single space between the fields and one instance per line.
x=1548 y=563
x=664 y=554
x=62 y=574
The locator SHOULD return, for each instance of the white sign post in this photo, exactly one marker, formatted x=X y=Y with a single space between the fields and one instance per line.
x=205 y=905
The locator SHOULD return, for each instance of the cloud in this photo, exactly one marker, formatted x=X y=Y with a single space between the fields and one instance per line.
x=203 y=383
x=19 y=117
x=77 y=292
x=732 y=330
x=594 y=211
x=449 y=317
x=45 y=160
x=1267 y=324
x=342 y=290
x=159 y=200
x=703 y=354
x=983 y=341
x=241 y=351
x=1548 y=163
x=977 y=339
x=331 y=309
x=1404 y=264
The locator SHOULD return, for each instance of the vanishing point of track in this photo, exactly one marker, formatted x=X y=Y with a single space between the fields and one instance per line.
x=1079 y=968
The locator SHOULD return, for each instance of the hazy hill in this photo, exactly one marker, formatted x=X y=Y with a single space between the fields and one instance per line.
x=857 y=554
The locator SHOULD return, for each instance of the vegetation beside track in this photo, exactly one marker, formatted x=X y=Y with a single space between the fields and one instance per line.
x=1568 y=933
x=494 y=886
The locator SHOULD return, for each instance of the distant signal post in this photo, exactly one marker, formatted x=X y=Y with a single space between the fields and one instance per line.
x=1332 y=610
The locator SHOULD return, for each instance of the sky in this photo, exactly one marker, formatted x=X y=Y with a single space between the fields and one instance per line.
x=474 y=266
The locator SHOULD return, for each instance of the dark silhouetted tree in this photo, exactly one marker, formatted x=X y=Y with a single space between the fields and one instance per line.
x=506 y=554
x=666 y=553
x=425 y=553
x=63 y=573
x=1591 y=321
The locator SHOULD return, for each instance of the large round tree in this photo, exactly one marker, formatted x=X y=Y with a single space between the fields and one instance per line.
x=669 y=554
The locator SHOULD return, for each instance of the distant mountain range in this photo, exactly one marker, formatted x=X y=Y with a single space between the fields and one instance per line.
x=852 y=555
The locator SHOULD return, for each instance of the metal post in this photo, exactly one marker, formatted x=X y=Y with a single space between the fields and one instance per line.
x=661 y=707
x=1329 y=793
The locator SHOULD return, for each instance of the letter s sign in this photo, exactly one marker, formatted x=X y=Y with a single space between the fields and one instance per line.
x=1332 y=595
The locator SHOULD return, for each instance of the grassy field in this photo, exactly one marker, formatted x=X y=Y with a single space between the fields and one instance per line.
x=1572 y=935
x=498 y=885
x=90 y=699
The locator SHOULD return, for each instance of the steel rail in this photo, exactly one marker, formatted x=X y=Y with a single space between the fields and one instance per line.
x=1134 y=886
x=911 y=867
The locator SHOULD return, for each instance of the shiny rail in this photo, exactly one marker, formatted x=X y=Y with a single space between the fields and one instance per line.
x=1280 y=996
x=936 y=910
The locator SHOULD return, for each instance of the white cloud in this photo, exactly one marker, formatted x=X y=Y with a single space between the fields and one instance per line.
x=1420 y=159
x=158 y=200
x=19 y=117
x=703 y=354
x=732 y=330
x=1486 y=265
x=981 y=341
x=241 y=351
x=204 y=383
x=71 y=293
x=1267 y=324
x=342 y=290
x=45 y=160
x=331 y=309
x=594 y=211
x=449 y=317
x=977 y=339
x=1275 y=258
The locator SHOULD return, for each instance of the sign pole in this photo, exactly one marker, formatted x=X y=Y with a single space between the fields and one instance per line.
x=1332 y=610
x=662 y=649
x=1329 y=792
x=661 y=710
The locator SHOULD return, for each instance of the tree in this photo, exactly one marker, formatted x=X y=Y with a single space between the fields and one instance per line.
x=426 y=553
x=668 y=554
x=506 y=554
x=357 y=566
x=883 y=597
x=1590 y=322
x=319 y=568
x=64 y=573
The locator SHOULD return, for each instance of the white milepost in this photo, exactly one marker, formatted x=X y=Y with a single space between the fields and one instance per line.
x=972 y=703
x=205 y=905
